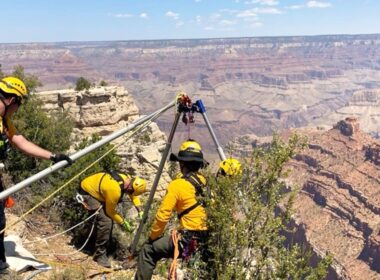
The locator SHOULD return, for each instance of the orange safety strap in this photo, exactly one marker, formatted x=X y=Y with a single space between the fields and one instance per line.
x=173 y=267
x=9 y=202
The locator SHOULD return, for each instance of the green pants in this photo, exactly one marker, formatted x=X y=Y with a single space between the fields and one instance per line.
x=150 y=254
x=163 y=247
x=103 y=229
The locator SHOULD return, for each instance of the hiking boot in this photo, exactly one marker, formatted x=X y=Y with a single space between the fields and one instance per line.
x=103 y=261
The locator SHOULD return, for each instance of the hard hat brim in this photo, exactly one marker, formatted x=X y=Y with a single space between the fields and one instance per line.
x=174 y=157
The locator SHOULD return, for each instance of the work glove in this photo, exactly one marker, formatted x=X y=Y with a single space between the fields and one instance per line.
x=128 y=227
x=59 y=157
x=140 y=215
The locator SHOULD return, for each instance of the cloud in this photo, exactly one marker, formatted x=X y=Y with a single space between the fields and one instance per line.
x=172 y=15
x=197 y=1
x=318 y=4
x=179 y=23
x=226 y=22
x=255 y=11
x=247 y=14
x=228 y=11
x=215 y=16
x=198 y=19
x=121 y=15
x=268 y=11
x=144 y=15
x=256 y=24
x=263 y=2
x=209 y=28
x=296 y=7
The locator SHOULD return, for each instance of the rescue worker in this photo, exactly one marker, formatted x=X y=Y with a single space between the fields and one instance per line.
x=184 y=195
x=107 y=189
x=229 y=167
x=12 y=93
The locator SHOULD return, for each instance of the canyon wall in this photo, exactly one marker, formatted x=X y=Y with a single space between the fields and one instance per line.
x=104 y=110
x=248 y=85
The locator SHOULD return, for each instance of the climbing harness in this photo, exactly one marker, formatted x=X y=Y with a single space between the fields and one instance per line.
x=194 y=180
x=116 y=176
x=186 y=244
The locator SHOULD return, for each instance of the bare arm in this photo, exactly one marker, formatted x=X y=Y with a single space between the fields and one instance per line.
x=29 y=148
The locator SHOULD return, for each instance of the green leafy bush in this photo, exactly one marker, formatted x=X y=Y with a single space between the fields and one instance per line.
x=247 y=217
x=82 y=84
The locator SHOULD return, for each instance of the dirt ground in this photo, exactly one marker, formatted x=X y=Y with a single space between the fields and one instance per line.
x=66 y=261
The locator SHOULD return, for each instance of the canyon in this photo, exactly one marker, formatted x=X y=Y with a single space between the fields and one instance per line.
x=326 y=87
x=337 y=208
x=248 y=85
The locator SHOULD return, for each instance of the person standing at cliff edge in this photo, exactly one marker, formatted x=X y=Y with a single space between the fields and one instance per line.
x=12 y=93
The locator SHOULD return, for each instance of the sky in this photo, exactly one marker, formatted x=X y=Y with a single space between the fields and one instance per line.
x=104 y=20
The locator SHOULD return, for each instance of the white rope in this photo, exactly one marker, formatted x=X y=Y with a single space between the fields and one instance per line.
x=63 y=232
x=84 y=244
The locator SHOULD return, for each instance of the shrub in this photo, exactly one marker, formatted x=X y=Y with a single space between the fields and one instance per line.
x=103 y=84
x=247 y=217
x=82 y=84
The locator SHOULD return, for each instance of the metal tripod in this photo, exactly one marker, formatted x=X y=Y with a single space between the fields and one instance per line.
x=199 y=108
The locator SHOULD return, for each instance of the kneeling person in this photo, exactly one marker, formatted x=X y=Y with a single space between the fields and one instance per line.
x=107 y=189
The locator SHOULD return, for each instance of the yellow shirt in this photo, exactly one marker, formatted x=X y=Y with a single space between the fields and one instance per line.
x=180 y=195
x=109 y=193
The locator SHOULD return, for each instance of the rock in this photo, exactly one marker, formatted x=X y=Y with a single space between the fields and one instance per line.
x=104 y=110
x=348 y=127
x=338 y=207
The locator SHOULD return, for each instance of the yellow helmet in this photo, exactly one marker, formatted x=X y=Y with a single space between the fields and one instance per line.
x=190 y=150
x=139 y=186
x=13 y=85
x=230 y=167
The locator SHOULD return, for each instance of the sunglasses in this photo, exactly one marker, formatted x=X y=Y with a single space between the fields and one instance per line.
x=18 y=100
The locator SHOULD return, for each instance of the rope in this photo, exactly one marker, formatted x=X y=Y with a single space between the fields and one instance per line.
x=58 y=234
x=61 y=233
x=173 y=266
x=139 y=129
x=80 y=249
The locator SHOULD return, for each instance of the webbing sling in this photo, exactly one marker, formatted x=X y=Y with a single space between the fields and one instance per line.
x=197 y=184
